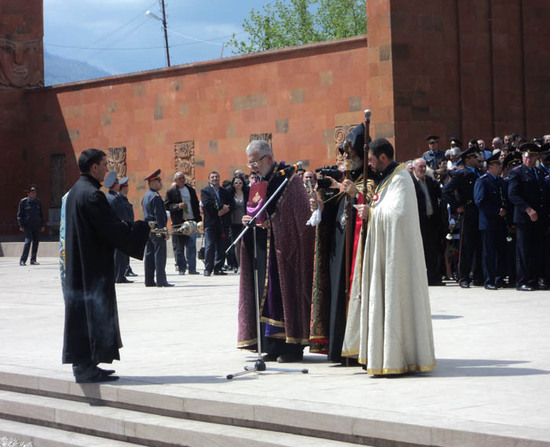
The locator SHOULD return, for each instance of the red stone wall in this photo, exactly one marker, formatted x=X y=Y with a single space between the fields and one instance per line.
x=299 y=96
x=463 y=68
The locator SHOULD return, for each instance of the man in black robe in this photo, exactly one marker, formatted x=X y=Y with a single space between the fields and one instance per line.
x=91 y=233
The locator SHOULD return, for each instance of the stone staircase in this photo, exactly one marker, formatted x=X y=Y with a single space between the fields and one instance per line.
x=54 y=412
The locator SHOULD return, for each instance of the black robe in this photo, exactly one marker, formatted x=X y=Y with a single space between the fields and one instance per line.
x=92 y=232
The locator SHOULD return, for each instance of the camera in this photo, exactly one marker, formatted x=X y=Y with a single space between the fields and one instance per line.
x=328 y=171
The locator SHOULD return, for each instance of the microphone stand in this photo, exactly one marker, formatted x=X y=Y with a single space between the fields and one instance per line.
x=259 y=364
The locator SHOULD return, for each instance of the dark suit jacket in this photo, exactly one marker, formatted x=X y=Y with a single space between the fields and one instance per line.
x=460 y=192
x=211 y=206
x=435 y=194
x=490 y=196
x=525 y=190
x=173 y=199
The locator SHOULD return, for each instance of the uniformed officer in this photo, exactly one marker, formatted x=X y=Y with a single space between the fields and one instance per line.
x=511 y=161
x=31 y=222
x=155 y=250
x=433 y=156
x=459 y=194
x=490 y=196
x=127 y=215
x=528 y=192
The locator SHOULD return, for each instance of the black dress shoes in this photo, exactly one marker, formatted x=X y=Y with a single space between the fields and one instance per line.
x=22 y=263
x=90 y=373
x=464 y=284
x=491 y=287
x=269 y=357
x=165 y=285
x=194 y=273
x=207 y=273
x=524 y=288
x=35 y=263
x=220 y=273
x=131 y=274
x=543 y=285
x=124 y=281
x=153 y=284
x=290 y=357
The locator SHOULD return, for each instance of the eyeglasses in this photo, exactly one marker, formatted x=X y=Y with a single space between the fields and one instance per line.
x=237 y=183
x=255 y=163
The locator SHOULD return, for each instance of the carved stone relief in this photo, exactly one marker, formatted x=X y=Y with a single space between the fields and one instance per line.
x=184 y=155
x=117 y=161
x=58 y=171
x=21 y=62
x=340 y=133
x=263 y=136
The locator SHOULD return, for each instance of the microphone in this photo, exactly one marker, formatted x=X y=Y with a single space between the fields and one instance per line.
x=290 y=169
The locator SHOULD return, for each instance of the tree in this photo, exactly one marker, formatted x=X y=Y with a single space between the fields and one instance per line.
x=297 y=22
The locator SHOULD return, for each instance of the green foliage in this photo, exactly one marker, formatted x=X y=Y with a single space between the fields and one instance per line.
x=297 y=22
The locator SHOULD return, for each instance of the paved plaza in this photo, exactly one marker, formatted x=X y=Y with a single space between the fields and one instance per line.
x=492 y=348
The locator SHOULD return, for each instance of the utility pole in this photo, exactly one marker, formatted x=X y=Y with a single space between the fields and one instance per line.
x=165 y=31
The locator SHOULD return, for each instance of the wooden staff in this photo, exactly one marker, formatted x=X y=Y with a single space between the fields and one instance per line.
x=348 y=211
x=366 y=195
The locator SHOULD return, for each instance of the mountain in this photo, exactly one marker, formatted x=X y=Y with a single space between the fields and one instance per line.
x=58 y=70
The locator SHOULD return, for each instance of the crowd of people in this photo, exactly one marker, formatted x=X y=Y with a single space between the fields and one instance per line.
x=340 y=259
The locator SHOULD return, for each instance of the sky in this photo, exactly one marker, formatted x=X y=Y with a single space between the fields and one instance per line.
x=118 y=37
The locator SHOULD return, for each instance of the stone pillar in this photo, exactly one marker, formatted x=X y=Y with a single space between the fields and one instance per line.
x=21 y=68
x=463 y=68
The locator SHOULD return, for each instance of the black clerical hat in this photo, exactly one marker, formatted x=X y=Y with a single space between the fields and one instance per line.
x=356 y=137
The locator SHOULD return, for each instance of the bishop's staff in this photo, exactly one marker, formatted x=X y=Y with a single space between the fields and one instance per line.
x=367 y=196
x=348 y=210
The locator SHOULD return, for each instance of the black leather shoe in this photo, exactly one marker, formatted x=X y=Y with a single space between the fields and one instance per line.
x=543 y=285
x=194 y=273
x=98 y=377
x=479 y=283
x=501 y=285
x=269 y=357
x=181 y=272
x=154 y=284
x=106 y=371
x=207 y=273
x=124 y=281
x=220 y=273
x=165 y=285
x=490 y=287
x=131 y=274
x=524 y=288
x=464 y=284
x=35 y=263
x=22 y=263
x=290 y=357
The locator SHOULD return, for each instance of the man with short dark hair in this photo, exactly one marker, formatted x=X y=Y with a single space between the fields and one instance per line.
x=182 y=202
x=389 y=325
x=31 y=222
x=91 y=232
x=216 y=205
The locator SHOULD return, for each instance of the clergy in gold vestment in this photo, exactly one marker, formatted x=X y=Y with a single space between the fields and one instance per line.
x=389 y=325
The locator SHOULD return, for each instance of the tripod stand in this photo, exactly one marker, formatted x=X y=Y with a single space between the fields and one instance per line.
x=259 y=364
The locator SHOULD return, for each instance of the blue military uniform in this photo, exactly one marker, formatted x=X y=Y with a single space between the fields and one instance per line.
x=31 y=219
x=527 y=188
x=155 y=250
x=459 y=192
x=490 y=196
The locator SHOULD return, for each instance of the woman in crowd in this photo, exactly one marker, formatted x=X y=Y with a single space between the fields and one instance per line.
x=239 y=192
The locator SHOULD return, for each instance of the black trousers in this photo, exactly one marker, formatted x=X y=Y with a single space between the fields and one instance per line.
x=530 y=246
x=431 y=241
x=494 y=246
x=214 y=248
x=122 y=262
x=470 y=251
x=32 y=235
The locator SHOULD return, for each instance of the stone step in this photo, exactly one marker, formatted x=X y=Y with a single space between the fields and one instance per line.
x=39 y=436
x=140 y=427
